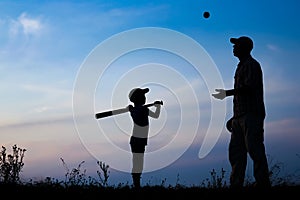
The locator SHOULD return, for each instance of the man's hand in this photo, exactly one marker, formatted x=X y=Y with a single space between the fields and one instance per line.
x=220 y=95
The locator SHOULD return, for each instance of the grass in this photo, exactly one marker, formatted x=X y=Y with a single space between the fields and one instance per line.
x=146 y=192
x=78 y=185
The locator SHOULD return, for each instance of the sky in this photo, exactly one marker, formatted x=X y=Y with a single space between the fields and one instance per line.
x=63 y=61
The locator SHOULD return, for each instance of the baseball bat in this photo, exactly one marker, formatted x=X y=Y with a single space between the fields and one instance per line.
x=121 y=110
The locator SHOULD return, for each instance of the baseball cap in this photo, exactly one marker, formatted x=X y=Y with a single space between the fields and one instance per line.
x=244 y=41
x=136 y=92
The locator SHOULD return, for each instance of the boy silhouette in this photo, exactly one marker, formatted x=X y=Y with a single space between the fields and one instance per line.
x=139 y=138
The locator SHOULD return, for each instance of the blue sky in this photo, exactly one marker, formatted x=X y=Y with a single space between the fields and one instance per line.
x=43 y=48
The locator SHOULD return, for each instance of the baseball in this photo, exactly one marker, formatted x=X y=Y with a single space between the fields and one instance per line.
x=206 y=14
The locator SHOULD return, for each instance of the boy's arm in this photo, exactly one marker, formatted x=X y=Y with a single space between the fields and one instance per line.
x=156 y=113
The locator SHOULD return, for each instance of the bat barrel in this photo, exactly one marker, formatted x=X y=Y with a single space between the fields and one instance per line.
x=103 y=114
x=110 y=113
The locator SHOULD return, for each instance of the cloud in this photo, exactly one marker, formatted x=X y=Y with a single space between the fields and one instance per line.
x=273 y=47
x=48 y=99
x=29 y=25
x=288 y=126
x=25 y=25
x=278 y=86
x=14 y=28
x=136 y=11
x=42 y=109
x=120 y=16
x=46 y=89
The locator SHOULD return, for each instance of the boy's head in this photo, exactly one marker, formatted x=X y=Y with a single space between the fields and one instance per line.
x=137 y=95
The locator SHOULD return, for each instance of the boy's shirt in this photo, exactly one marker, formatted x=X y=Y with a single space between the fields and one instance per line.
x=140 y=118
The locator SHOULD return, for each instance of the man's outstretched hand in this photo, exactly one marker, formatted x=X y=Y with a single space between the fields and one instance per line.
x=220 y=95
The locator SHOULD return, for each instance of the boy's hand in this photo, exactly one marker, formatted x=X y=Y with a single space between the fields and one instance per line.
x=130 y=107
x=158 y=102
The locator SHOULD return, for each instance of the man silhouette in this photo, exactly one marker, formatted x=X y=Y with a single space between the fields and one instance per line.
x=247 y=124
x=138 y=141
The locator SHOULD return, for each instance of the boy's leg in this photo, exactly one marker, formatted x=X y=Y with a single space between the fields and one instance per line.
x=137 y=162
x=136 y=178
x=137 y=168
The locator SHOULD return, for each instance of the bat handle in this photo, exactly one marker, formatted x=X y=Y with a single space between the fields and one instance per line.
x=158 y=102
x=155 y=102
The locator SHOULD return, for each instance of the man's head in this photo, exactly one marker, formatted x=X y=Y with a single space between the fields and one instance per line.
x=137 y=95
x=242 y=46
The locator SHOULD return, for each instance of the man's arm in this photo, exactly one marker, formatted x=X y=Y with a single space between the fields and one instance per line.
x=225 y=93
